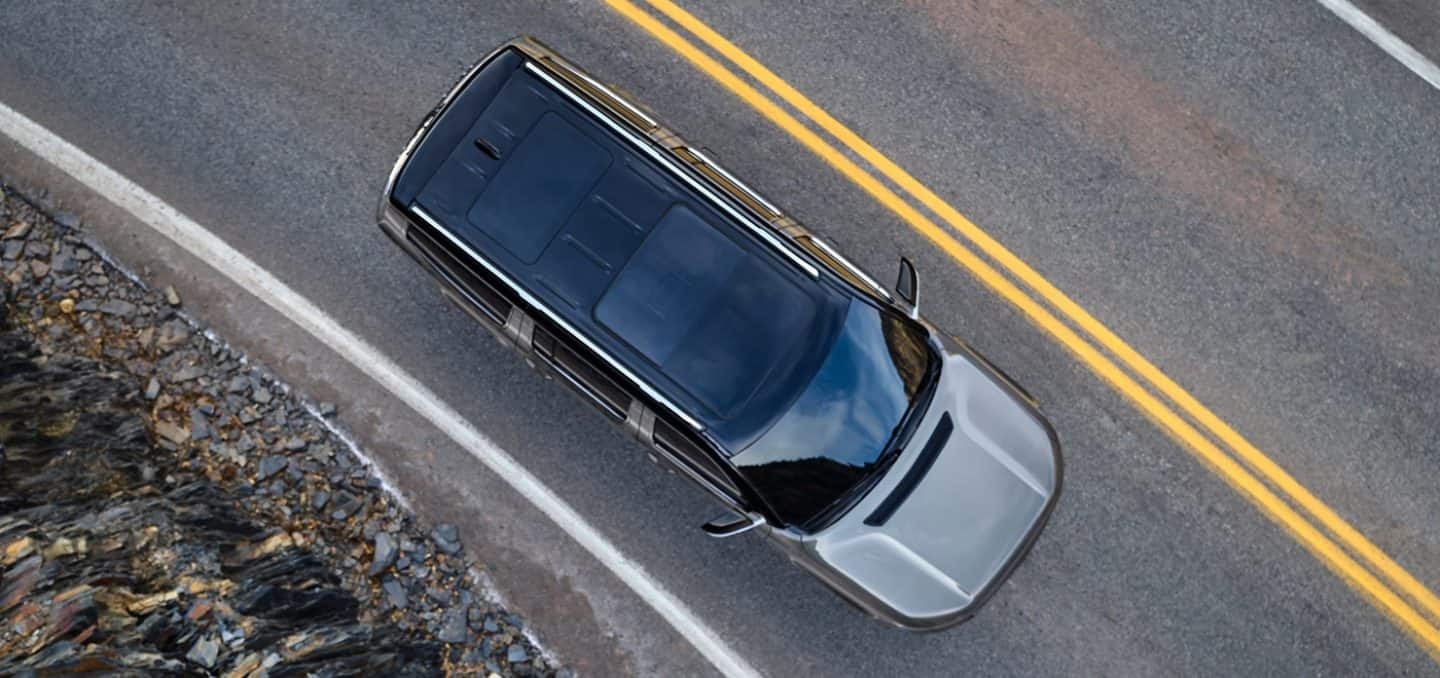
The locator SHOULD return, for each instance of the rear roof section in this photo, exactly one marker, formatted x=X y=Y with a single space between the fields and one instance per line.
x=623 y=251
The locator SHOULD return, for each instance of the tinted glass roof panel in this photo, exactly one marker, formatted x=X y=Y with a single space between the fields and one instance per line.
x=538 y=187
x=714 y=317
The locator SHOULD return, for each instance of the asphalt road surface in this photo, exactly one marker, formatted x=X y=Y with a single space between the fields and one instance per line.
x=1247 y=193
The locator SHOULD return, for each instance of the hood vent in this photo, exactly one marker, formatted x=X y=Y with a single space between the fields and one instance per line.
x=917 y=471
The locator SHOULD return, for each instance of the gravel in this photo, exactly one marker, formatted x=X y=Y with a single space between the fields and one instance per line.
x=107 y=571
x=218 y=418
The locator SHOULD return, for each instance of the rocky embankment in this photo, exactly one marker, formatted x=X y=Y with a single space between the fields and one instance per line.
x=167 y=507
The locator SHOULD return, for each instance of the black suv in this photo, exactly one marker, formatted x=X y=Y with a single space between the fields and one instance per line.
x=886 y=457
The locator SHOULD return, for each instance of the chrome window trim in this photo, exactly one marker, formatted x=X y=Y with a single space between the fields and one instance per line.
x=460 y=287
x=555 y=318
x=677 y=460
x=583 y=387
x=840 y=259
x=763 y=232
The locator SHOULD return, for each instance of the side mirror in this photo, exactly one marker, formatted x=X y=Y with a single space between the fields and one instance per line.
x=732 y=524
x=907 y=286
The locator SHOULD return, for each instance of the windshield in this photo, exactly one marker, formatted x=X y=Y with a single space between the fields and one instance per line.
x=837 y=435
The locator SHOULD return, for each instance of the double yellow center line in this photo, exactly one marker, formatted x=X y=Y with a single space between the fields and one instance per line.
x=1342 y=548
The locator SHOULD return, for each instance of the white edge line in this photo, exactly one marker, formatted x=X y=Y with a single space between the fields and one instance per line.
x=195 y=239
x=1384 y=39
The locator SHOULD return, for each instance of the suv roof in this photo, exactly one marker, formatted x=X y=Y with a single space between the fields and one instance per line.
x=645 y=266
x=715 y=318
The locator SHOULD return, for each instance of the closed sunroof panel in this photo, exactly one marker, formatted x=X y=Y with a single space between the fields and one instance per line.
x=714 y=317
x=537 y=188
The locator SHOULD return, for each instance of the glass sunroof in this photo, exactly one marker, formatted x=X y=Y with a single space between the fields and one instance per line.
x=715 y=318
x=539 y=186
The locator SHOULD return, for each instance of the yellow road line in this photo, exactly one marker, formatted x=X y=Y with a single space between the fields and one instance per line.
x=1257 y=460
x=1327 y=551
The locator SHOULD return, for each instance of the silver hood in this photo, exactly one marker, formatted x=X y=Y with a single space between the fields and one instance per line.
x=930 y=547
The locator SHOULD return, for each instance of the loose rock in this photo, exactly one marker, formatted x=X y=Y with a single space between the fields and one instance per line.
x=17 y=231
x=395 y=593
x=248 y=570
x=270 y=465
x=118 y=307
x=446 y=538
x=172 y=432
x=343 y=505
x=172 y=334
x=188 y=373
x=63 y=262
x=199 y=425
x=452 y=627
x=84 y=527
x=385 y=553
x=204 y=652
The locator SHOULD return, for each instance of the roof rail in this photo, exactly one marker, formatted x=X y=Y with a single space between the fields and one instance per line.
x=730 y=179
x=617 y=101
